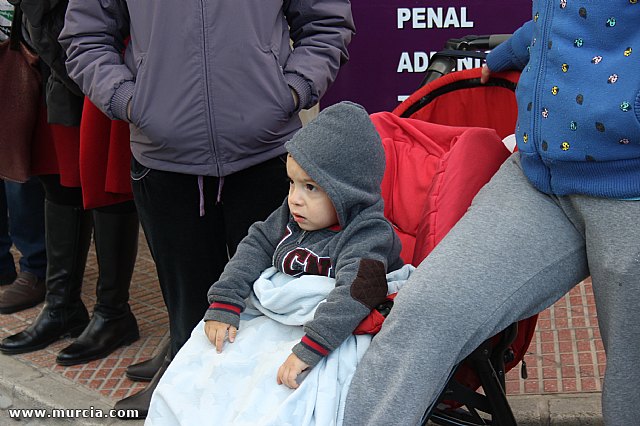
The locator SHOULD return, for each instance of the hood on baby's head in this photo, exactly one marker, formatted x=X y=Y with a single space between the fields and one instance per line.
x=342 y=152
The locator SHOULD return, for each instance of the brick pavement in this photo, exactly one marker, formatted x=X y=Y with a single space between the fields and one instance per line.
x=105 y=376
x=566 y=354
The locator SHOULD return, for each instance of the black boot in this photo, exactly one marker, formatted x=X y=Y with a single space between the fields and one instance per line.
x=113 y=324
x=145 y=370
x=68 y=235
x=137 y=406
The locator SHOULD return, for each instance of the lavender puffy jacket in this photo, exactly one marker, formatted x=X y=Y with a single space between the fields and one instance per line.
x=208 y=81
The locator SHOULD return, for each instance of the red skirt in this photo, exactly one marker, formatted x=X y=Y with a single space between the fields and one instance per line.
x=94 y=156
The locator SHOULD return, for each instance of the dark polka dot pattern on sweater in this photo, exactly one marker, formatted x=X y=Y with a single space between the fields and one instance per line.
x=625 y=105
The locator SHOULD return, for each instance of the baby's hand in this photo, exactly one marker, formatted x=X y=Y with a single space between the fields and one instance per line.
x=486 y=72
x=289 y=371
x=216 y=331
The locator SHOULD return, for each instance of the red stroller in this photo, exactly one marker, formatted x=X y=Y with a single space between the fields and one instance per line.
x=446 y=140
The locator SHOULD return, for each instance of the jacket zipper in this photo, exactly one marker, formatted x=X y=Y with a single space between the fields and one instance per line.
x=206 y=86
x=537 y=92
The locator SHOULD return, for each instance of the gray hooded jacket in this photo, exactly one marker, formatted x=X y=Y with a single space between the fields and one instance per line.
x=208 y=81
x=342 y=152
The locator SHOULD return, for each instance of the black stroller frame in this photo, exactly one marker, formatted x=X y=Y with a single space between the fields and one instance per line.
x=488 y=361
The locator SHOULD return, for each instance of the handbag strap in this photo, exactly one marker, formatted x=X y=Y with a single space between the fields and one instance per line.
x=16 y=29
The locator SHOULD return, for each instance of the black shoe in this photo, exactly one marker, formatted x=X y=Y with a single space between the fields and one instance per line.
x=145 y=370
x=68 y=235
x=101 y=337
x=137 y=406
x=6 y=279
x=51 y=325
x=113 y=325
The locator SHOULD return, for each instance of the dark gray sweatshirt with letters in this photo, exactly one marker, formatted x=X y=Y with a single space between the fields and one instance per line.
x=342 y=152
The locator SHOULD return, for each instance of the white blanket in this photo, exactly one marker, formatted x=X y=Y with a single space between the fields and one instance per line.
x=238 y=386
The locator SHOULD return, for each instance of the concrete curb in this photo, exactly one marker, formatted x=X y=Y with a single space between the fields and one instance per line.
x=582 y=409
x=24 y=387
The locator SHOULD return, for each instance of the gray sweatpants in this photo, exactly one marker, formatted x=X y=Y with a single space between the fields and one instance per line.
x=514 y=253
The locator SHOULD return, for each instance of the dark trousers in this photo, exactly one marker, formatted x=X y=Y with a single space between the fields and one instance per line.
x=190 y=250
x=22 y=224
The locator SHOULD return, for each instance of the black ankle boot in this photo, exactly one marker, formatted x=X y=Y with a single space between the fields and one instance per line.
x=113 y=325
x=145 y=370
x=50 y=326
x=68 y=235
x=101 y=337
x=137 y=406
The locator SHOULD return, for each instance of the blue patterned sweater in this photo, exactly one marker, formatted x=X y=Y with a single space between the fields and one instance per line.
x=578 y=128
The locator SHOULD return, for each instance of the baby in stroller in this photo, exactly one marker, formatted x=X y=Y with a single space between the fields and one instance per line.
x=292 y=295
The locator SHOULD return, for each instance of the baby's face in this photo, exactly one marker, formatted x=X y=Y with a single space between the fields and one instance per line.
x=310 y=206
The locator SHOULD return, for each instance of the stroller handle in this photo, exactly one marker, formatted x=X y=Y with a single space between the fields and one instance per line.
x=471 y=46
x=474 y=42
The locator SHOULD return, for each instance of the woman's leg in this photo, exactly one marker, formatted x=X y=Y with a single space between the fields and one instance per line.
x=7 y=266
x=252 y=195
x=190 y=250
x=68 y=235
x=112 y=323
x=26 y=210
x=25 y=204
x=612 y=236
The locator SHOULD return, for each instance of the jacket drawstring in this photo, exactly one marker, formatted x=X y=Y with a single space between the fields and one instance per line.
x=220 y=184
x=201 y=192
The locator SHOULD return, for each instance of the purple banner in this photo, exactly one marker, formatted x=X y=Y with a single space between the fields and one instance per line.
x=395 y=39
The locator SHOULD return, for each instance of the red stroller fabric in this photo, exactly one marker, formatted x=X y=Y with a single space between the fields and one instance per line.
x=442 y=145
x=458 y=99
x=433 y=172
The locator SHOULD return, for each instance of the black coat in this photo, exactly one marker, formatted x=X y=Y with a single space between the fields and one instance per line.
x=43 y=21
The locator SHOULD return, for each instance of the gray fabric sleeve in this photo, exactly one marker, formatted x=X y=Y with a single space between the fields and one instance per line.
x=360 y=286
x=93 y=37
x=321 y=31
